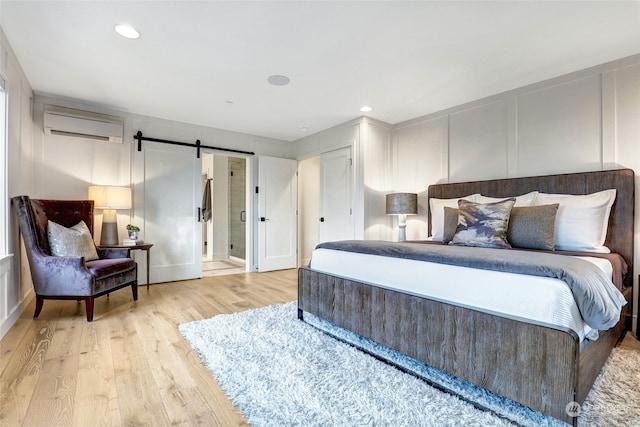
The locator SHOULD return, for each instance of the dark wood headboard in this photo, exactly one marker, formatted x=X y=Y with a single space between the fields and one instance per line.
x=621 y=220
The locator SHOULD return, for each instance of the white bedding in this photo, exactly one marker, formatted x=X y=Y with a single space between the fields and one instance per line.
x=536 y=298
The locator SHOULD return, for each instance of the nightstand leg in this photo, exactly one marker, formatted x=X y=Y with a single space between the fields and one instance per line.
x=148 y=258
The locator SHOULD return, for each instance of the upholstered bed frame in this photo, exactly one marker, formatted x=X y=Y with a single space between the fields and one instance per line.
x=538 y=365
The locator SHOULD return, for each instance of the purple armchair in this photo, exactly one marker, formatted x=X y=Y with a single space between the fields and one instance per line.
x=63 y=277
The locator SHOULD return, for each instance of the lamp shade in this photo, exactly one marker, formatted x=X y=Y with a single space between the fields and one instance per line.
x=402 y=204
x=109 y=197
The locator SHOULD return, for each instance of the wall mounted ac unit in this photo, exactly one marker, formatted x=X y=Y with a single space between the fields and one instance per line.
x=84 y=125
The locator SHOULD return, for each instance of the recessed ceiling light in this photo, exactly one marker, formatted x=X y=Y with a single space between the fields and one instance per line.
x=127 y=31
x=278 y=80
x=304 y=128
x=366 y=109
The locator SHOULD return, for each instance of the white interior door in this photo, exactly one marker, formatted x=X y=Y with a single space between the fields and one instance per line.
x=168 y=193
x=277 y=210
x=336 y=204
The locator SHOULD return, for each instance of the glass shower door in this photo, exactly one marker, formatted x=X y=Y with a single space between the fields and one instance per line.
x=237 y=208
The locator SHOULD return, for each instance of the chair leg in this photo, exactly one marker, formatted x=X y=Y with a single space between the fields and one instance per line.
x=134 y=290
x=39 y=304
x=88 y=302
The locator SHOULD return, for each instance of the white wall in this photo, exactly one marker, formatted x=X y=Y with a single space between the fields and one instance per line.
x=308 y=208
x=344 y=135
x=373 y=159
x=589 y=120
x=14 y=293
x=420 y=157
x=370 y=141
x=184 y=132
x=45 y=166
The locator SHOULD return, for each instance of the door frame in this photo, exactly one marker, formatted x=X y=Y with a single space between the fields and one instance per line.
x=249 y=204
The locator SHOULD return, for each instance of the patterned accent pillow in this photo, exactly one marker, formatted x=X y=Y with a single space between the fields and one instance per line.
x=74 y=241
x=483 y=224
x=436 y=210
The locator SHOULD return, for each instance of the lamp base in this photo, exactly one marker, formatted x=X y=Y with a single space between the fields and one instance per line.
x=402 y=225
x=402 y=233
x=109 y=234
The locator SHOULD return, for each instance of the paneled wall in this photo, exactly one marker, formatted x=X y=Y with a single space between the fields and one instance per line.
x=588 y=120
x=559 y=128
x=580 y=122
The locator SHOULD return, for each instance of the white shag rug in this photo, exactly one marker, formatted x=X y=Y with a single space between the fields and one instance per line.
x=280 y=371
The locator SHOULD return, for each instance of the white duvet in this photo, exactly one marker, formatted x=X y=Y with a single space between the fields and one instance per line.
x=536 y=298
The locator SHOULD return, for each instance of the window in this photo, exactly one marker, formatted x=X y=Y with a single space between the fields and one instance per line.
x=4 y=202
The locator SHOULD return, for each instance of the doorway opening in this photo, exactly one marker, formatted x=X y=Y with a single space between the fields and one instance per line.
x=224 y=218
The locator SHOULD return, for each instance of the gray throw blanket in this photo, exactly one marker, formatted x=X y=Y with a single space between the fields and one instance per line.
x=597 y=298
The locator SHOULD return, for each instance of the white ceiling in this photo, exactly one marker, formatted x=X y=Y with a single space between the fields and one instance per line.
x=405 y=59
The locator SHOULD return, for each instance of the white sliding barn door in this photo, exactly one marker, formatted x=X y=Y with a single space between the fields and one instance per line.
x=336 y=204
x=168 y=193
x=277 y=213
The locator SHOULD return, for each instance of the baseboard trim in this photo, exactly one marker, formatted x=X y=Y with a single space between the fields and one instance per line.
x=16 y=313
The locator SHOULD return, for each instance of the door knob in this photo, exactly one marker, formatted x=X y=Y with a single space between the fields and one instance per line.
x=321 y=219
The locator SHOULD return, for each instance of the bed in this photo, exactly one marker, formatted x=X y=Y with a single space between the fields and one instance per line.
x=541 y=365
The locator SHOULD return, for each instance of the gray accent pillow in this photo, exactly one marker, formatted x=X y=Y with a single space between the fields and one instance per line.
x=450 y=223
x=483 y=224
x=74 y=241
x=533 y=227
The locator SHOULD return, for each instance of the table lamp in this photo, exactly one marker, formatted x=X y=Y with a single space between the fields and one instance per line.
x=402 y=204
x=110 y=198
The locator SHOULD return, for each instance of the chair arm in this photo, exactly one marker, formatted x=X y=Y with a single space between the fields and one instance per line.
x=111 y=253
x=60 y=275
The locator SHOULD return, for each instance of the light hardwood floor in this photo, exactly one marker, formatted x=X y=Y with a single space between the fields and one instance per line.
x=222 y=267
x=130 y=366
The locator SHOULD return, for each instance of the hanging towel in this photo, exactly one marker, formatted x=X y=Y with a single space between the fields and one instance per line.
x=206 y=201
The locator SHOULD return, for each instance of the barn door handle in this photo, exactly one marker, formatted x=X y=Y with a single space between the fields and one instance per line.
x=199 y=214
x=243 y=216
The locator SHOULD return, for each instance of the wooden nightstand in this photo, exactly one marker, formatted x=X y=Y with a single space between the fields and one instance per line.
x=142 y=247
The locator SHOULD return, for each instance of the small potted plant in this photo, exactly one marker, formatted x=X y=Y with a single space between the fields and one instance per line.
x=133 y=231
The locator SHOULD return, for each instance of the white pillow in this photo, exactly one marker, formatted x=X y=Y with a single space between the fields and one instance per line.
x=436 y=207
x=74 y=241
x=522 y=200
x=581 y=221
